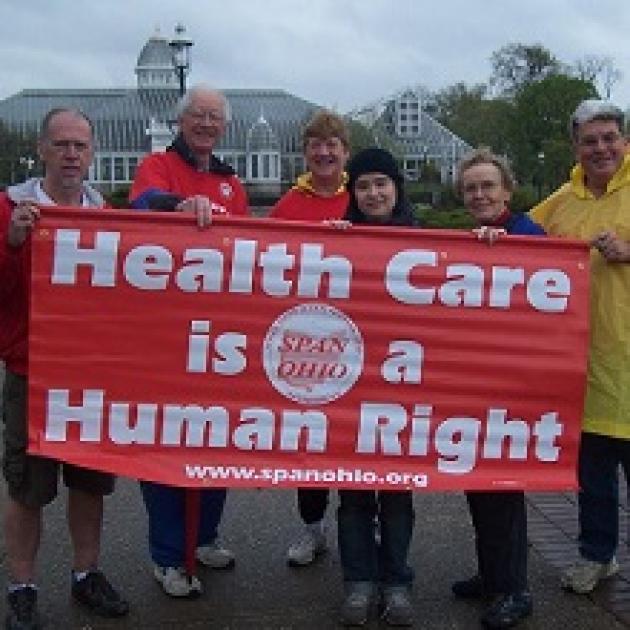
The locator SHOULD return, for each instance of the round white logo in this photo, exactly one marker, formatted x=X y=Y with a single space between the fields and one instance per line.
x=313 y=354
x=225 y=189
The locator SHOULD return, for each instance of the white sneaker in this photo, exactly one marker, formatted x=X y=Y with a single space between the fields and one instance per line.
x=215 y=556
x=176 y=583
x=306 y=549
x=584 y=575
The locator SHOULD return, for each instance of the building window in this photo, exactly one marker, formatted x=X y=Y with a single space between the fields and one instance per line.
x=106 y=169
x=414 y=105
x=265 y=167
x=254 y=166
x=133 y=165
x=403 y=117
x=403 y=129
x=241 y=166
x=403 y=105
x=414 y=116
x=414 y=129
x=119 y=169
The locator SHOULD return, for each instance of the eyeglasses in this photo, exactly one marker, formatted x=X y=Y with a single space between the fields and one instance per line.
x=484 y=186
x=591 y=142
x=200 y=116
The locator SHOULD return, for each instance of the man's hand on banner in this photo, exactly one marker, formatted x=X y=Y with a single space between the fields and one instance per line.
x=338 y=224
x=611 y=247
x=202 y=208
x=488 y=234
x=23 y=217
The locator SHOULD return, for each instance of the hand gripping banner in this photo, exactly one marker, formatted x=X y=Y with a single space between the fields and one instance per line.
x=260 y=353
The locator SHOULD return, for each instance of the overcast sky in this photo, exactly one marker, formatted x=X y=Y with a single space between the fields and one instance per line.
x=338 y=53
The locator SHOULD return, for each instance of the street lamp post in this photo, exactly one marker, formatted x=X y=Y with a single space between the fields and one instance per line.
x=180 y=47
x=541 y=164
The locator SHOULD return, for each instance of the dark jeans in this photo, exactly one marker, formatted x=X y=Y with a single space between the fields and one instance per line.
x=500 y=522
x=312 y=504
x=167 y=522
x=598 y=499
x=363 y=557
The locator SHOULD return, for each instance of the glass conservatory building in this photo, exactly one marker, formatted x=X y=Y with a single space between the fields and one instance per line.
x=262 y=141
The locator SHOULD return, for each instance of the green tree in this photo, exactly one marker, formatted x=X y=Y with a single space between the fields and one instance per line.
x=541 y=148
x=515 y=66
x=361 y=137
x=18 y=155
x=469 y=112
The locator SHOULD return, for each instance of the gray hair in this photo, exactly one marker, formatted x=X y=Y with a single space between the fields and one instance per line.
x=45 y=127
x=484 y=155
x=595 y=109
x=185 y=102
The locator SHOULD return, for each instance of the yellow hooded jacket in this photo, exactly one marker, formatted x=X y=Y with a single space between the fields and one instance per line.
x=573 y=211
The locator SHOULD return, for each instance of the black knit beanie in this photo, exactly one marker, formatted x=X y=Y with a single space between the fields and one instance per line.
x=373 y=160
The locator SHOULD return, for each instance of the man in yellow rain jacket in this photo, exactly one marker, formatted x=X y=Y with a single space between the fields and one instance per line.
x=594 y=205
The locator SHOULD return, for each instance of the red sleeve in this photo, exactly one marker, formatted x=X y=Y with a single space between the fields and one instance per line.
x=11 y=258
x=152 y=173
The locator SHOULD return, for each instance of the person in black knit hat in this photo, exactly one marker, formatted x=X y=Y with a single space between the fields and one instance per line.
x=377 y=165
x=377 y=197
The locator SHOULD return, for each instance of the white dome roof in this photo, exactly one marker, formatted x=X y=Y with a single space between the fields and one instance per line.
x=156 y=53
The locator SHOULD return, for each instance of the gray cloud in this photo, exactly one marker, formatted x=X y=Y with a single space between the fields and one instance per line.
x=339 y=53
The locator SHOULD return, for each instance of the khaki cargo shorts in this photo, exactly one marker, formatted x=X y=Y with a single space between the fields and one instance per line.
x=33 y=480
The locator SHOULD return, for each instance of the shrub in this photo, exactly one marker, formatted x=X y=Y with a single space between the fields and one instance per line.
x=447 y=219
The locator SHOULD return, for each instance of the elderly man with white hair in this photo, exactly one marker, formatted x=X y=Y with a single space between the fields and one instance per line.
x=188 y=176
x=594 y=205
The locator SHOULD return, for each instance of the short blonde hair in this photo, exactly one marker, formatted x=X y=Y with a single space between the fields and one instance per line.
x=326 y=124
x=483 y=155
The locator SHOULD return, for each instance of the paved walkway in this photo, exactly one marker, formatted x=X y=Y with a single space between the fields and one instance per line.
x=553 y=533
x=262 y=593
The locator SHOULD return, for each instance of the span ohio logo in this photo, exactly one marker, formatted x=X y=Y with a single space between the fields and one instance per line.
x=226 y=190
x=313 y=354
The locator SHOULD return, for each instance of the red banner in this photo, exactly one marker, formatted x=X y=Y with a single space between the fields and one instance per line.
x=272 y=354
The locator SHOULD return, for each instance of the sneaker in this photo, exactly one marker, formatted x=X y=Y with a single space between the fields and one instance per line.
x=307 y=549
x=176 y=583
x=98 y=595
x=585 y=574
x=215 y=556
x=472 y=588
x=22 y=607
x=355 y=609
x=397 y=607
x=507 y=610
